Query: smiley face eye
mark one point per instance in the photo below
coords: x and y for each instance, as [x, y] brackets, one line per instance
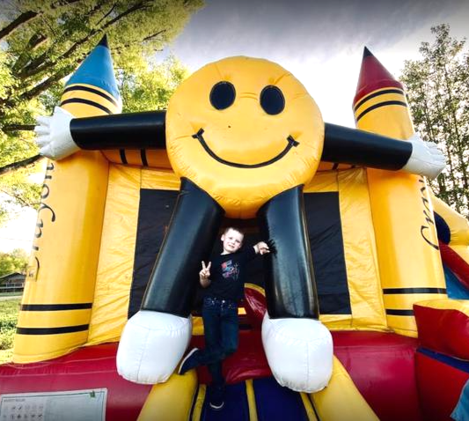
[222, 95]
[272, 100]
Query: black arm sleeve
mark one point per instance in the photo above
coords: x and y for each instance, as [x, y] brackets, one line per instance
[191, 233]
[120, 131]
[357, 147]
[288, 269]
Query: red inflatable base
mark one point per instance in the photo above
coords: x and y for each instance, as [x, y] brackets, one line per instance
[440, 386]
[249, 361]
[382, 366]
[86, 368]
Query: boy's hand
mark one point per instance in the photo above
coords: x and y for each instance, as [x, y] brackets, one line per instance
[262, 248]
[205, 272]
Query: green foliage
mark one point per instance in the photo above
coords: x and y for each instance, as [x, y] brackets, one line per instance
[44, 42]
[149, 87]
[16, 188]
[15, 261]
[8, 320]
[438, 93]
[7, 336]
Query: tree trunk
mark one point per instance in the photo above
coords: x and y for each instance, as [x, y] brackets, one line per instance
[20, 164]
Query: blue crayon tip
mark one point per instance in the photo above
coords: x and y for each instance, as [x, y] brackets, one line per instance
[103, 41]
[97, 70]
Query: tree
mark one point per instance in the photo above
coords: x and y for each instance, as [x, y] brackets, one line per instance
[44, 42]
[438, 93]
[146, 86]
[15, 261]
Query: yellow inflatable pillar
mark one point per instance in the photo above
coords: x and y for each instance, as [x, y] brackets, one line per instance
[408, 253]
[59, 291]
[171, 400]
[341, 400]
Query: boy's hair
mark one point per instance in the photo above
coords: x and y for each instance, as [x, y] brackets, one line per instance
[234, 229]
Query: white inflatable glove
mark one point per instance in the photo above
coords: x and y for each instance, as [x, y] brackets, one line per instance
[151, 346]
[426, 159]
[53, 135]
[299, 352]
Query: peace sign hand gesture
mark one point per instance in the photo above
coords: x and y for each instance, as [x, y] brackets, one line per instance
[204, 274]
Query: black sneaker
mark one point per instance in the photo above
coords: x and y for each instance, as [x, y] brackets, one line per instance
[216, 404]
[187, 362]
[217, 397]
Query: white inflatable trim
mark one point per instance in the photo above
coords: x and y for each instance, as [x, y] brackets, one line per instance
[151, 346]
[54, 138]
[426, 159]
[299, 352]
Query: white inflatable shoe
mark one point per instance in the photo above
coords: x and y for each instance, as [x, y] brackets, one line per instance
[151, 346]
[299, 352]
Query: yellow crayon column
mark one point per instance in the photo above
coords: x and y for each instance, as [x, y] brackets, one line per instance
[407, 245]
[56, 307]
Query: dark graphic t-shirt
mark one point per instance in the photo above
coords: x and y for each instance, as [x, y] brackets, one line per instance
[228, 275]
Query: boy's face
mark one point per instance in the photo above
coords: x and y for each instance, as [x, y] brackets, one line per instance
[232, 241]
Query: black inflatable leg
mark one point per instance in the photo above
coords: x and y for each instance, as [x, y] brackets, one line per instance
[191, 234]
[289, 277]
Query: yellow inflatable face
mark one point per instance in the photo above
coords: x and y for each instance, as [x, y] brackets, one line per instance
[244, 130]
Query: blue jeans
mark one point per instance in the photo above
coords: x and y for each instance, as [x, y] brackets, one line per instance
[221, 336]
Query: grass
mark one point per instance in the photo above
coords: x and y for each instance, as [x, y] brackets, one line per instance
[11, 294]
[8, 320]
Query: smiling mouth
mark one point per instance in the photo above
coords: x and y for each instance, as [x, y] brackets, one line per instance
[290, 143]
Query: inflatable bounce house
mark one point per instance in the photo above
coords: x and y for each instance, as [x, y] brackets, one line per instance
[360, 246]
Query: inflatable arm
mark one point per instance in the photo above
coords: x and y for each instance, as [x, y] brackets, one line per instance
[62, 135]
[154, 339]
[357, 147]
[298, 347]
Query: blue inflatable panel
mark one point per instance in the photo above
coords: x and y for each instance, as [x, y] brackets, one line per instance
[236, 406]
[461, 412]
[277, 403]
[455, 289]
[445, 359]
[442, 229]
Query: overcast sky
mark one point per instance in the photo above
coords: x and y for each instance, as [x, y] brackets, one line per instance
[321, 43]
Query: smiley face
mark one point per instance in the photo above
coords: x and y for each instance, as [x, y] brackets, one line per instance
[244, 130]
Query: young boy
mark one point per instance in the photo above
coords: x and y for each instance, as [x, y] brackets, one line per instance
[223, 278]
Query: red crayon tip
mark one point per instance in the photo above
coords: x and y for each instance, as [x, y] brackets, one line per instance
[373, 76]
